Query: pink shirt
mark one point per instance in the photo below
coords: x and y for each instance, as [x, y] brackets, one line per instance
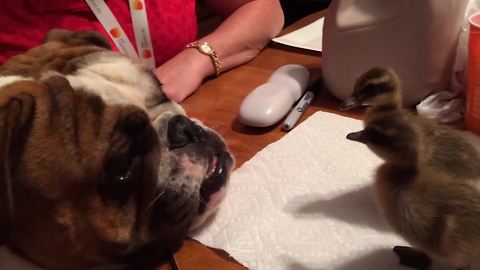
[24, 23]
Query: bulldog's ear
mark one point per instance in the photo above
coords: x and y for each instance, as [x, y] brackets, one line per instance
[78, 38]
[15, 121]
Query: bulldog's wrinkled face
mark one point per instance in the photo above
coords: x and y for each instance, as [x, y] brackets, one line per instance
[97, 166]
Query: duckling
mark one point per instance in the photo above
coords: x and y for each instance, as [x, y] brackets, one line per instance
[428, 189]
[446, 150]
[435, 212]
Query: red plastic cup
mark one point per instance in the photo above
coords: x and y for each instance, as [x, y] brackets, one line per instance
[473, 75]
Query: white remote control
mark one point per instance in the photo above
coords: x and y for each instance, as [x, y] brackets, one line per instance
[270, 102]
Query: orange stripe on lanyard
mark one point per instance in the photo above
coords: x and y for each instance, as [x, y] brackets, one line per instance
[138, 13]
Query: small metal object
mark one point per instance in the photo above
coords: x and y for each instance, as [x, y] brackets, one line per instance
[207, 50]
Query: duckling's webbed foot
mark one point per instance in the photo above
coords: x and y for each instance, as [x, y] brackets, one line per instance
[413, 258]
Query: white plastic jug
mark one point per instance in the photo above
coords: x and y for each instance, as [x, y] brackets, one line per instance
[416, 38]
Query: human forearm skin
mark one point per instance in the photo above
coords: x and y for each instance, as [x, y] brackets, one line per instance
[245, 32]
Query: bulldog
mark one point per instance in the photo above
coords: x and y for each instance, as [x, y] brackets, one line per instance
[97, 167]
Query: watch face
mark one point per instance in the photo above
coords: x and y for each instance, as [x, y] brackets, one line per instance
[205, 48]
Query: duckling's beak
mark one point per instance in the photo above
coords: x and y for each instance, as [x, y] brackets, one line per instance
[350, 103]
[358, 136]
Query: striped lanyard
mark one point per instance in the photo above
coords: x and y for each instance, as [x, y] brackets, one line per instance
[144, 53]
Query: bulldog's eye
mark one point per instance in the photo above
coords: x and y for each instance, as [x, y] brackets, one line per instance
[119, 182]
[120, 168]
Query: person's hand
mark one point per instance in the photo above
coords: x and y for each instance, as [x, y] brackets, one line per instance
[183, 74]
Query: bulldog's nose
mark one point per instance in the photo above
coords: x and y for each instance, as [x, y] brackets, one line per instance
[182, 131]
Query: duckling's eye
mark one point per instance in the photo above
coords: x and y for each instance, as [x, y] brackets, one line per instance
[375, 136]
[374, 89]
[388, 139]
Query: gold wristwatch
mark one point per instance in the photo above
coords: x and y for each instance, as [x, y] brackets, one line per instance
[206, 49]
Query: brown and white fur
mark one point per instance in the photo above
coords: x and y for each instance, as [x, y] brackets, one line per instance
[97, 166]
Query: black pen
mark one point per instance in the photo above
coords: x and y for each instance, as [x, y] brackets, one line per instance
[302, 105]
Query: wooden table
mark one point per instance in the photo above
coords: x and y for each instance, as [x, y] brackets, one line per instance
[217, 103]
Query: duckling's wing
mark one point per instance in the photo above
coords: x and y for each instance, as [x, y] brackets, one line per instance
[447, 151]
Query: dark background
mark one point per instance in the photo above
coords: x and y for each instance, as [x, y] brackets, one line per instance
[293, 10]
[297, 9]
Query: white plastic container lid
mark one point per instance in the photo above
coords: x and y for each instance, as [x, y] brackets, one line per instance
[416, 38]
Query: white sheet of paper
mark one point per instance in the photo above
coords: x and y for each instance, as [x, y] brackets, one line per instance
[308, 37]
[305, 202]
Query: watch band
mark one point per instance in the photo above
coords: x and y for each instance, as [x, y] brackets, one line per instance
[206, 49]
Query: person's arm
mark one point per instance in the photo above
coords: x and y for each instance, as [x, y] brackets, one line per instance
[247, 29]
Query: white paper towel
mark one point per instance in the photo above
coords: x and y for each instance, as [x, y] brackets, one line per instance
[308, 37]
[305, 202]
